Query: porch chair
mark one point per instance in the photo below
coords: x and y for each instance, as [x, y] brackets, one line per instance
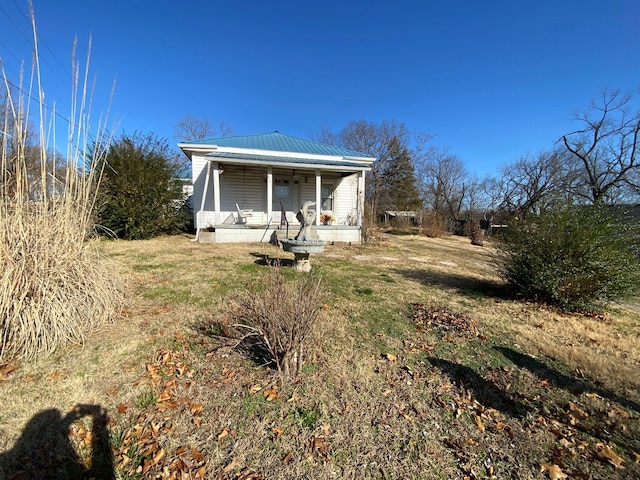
[243, 214]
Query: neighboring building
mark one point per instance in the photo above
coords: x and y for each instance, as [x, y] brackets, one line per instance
[247, 187]
[407, 217]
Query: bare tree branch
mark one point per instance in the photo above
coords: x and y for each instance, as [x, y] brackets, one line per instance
[606, 148]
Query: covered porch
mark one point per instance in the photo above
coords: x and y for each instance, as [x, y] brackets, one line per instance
[247, 203]
[247, 188]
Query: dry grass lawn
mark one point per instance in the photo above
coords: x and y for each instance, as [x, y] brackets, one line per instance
[422, 367]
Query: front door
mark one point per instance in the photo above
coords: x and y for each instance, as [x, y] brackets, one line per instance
[284, 197]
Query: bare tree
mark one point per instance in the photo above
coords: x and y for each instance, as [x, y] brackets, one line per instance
[444, 181]
[606, 147]
[380, 140]
[324, 135]
[190, 128]
[532, 183]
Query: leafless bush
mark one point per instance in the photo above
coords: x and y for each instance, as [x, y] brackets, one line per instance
[432, 225]
[476, 234]
[54, 284]
[281, 315]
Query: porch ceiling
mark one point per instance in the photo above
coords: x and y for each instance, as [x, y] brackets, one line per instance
[281, 161]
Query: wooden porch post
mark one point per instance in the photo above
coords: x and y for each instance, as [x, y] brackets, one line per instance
[318, 196]
[216, 192]
[269, 194]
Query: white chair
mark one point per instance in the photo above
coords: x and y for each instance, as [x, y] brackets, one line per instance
[243, 214]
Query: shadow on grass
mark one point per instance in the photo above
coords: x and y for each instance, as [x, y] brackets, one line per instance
[45, 451]
[486, 393]
[247, 343]
[559, 379]
[465, 285]
[266, 260]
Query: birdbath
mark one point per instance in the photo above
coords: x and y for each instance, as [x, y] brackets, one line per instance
[303, 245]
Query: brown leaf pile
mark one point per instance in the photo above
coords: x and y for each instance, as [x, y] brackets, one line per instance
[448, 321]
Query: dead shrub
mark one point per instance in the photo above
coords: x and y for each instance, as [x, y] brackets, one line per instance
[432, 225]
[476, 234]
[280, 316]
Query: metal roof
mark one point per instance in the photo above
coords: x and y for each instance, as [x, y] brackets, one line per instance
[275, 159]
[279, 142]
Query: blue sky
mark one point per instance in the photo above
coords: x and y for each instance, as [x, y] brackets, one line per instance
[493, 80]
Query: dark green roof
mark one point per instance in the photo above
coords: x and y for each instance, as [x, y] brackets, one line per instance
[279, 142]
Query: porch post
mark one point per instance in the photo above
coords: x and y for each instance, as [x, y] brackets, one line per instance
[318, 196]
[269, 195]
[200, 214]
[216, 192]
[360, 199]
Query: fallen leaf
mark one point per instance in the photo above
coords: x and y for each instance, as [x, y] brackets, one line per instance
[122, 409]
[278, 432]
[606, 453]
[576, 413]
[618, 411]
[271, 393]
[319, 445]
[554, 471]
[255, 389]
[223, 434]
[479, 422]
[636, 456]
[234, 463]
[160, 454]
[391, 357]
[198, 457]
[6, 369]
[287, 458]
[56, 374]
[294, 398]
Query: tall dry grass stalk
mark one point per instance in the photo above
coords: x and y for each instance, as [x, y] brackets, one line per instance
[54, 284]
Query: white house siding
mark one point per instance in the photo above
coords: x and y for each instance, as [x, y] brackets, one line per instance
[308, 190]
[245, 187]
[199, 168]
[345, 198]
[345, 195]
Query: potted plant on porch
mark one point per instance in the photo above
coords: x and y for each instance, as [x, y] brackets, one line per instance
[327, 218]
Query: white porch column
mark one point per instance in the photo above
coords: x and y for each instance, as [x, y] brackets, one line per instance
[269, 194]
[318, 196]
[199, 220]
[216, 192]
[360, 199]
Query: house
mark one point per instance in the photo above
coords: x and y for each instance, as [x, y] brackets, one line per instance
[247, 187]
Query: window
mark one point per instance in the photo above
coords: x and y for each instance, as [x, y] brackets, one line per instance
[327, 196]
[281, 189]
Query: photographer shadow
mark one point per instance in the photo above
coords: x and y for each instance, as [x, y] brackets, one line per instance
[44, 450]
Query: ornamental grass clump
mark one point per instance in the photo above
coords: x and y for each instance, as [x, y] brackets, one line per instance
[55, 286]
